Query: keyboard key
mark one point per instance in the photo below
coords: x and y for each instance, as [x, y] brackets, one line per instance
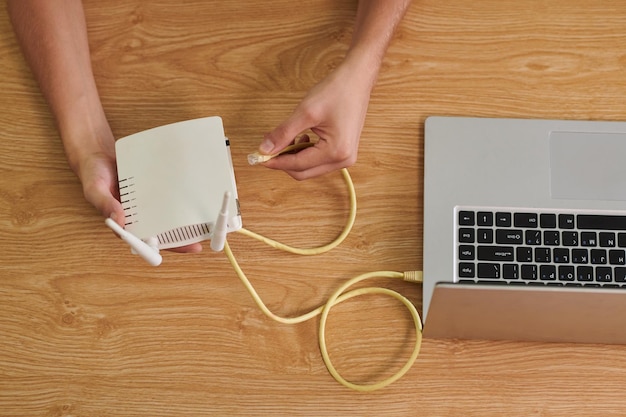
[509, 237]
[598, 256]
[566, 221]
[580, 256]
[484, 218]
[620, 274]
[584, 273]
[529, 272]
[607, 239]
[547, 220]
[566, 273]
[543, 255]
[588, 239]
[601, 222]
[617, 257]
[488, 270]
[467, 270]
[466, 252]
[523, 254]
[466, 235]
[484, 236]
[547, 273]
[551, 238]
[510, 271]
[503, 219]
[621, 240]
[492, 282]
[525, 220]
[533, 237]
[466, 218]
[604, 274]
[560, 255]
[569, 238]
[495, 253]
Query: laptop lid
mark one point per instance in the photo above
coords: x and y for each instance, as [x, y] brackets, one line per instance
[485, 162]
[531, 313]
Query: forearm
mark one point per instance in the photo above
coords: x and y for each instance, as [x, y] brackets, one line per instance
[376, 22]
[53, 37]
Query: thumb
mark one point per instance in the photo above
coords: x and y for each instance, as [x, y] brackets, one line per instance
[116, 212]
[101, 198]
[285, 133]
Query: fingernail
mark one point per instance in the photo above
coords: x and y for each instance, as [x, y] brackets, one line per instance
[266, 146]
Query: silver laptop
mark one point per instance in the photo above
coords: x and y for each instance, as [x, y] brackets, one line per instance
[525, 230]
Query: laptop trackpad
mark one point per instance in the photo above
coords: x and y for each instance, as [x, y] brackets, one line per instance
[588, 166]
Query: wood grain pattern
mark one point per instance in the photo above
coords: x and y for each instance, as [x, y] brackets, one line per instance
[88, 330]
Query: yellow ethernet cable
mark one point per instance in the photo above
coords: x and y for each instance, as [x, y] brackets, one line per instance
[340, 294]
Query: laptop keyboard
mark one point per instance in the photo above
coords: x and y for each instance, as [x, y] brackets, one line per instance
[540, 247]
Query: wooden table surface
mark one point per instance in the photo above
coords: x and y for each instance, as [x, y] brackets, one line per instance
[87, 329]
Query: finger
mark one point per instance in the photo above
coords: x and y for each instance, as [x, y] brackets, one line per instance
[193, 248]
[315, 160]
[313, 172]
[316, 171]
[285, 133]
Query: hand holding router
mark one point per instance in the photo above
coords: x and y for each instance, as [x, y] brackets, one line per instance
[149, 250]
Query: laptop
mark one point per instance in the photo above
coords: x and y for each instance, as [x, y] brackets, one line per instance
[524, 230]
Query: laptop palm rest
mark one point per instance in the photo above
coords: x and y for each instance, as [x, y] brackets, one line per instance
[552, 314]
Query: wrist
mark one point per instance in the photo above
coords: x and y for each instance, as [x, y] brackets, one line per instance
[87, 137]
[362, 66]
